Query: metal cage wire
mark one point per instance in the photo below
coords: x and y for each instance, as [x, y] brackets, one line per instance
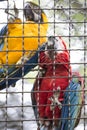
[15, 104]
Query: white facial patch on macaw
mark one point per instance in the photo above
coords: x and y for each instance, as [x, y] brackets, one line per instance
[59, 45]
[37, 17]
[55, 43]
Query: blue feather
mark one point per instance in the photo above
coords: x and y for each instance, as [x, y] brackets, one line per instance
[14, 73]
[72, 97]
[3, 32]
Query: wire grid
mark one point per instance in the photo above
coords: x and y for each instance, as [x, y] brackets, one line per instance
[16, 108]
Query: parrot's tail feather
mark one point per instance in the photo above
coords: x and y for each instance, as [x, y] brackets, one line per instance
[74, 96]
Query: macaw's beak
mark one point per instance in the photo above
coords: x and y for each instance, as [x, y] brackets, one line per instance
[28, 13]
[32, 12]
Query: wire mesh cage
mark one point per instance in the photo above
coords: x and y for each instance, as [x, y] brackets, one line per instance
[43, 65]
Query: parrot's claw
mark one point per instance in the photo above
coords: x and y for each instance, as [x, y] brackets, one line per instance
[45, 124]
[45, 128]
[54, 99]
[3, 71]
[21, 61]
[13, 13]
[41, 72]
[55, 128]
[48, 125]
[24, 59]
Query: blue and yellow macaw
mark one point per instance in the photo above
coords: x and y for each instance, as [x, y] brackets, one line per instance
[20, 43]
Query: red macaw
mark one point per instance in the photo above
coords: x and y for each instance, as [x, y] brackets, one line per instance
[51, 82]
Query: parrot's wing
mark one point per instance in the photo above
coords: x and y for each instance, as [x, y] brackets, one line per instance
[72, 104]
[3, 32]
[15, 73]
[34, 91]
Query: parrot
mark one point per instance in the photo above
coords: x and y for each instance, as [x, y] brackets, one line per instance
[53, 84]
[21, 41]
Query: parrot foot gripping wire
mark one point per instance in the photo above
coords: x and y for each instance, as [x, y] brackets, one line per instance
[24, 59]
[13, 15]
[3, 69]
[54, 100]
[44, 125]
[47, 125]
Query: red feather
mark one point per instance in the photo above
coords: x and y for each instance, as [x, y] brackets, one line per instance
[56, 75]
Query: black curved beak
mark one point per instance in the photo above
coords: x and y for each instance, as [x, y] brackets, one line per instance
[28, 12]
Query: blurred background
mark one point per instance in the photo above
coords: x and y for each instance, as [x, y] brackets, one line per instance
[67, 18]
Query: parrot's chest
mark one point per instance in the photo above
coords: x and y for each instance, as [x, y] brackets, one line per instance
[22, 38]
[55, 77]
[25, 36]
[57, 70]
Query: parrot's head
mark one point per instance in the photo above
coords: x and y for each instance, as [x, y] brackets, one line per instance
[54, 45]
[33, 12]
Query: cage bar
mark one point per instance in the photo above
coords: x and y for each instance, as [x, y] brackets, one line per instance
[18, 96]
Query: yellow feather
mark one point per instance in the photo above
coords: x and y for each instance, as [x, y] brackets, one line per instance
[27, 37]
